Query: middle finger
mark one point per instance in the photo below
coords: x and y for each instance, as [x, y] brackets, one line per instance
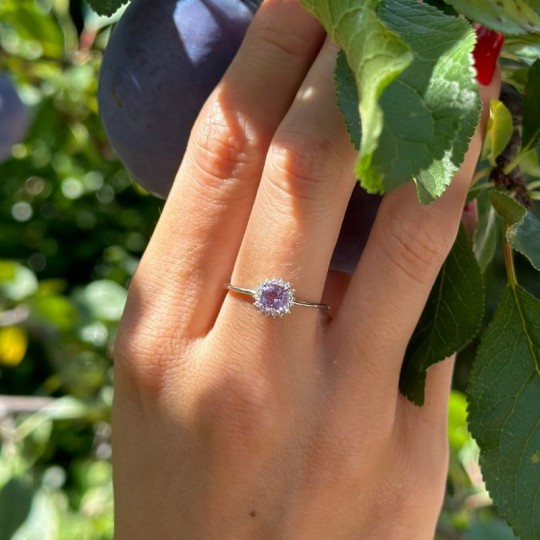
[306, 184]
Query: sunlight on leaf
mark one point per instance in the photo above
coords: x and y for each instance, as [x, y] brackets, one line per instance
[106, 7]
[429, 112]
[499, 129]
[376, 56]
[485, 238]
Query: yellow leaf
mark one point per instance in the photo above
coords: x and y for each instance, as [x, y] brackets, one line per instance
[499, 129]
[13, 343]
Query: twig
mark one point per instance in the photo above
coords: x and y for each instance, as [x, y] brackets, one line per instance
[23, 404]
[14, 316]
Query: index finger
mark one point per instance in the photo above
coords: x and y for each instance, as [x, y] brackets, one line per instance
[194, 246]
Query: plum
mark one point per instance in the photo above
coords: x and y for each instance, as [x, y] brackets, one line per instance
[163, 60]
[14, 117]
[355, 229]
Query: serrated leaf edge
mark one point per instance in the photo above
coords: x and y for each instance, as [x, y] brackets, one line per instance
[472, 372]
[423, 375]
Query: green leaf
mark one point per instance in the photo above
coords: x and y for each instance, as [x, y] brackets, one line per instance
[106, 7]
[504, 397]
[33, 25]
[15, 503]
[507, 16]
[54, 310]
[485, 238]
[442, 6]
[489, 530]
[450, 320]
[103, 299]
[16, 281]
[65, 408]
[526, 47]
[376, 56]
[458, 434]
[347, 99]
[43, 520]
[430, 110]
[531, 108]
[445, 90]
[499, 130]
[530, 163]
[524, 231]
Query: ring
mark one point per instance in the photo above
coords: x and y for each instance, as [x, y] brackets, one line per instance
[275, 297]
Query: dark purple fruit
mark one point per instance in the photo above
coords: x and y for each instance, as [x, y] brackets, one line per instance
[14, 117]
[163, 60]
[355, 229]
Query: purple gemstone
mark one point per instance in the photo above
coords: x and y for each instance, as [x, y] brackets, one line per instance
[274, 297]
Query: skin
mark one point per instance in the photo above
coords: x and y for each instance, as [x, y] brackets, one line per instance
[232, 425]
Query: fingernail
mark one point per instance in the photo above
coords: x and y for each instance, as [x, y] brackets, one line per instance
[486, 53]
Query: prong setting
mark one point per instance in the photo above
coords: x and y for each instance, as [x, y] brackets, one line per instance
[274, 297]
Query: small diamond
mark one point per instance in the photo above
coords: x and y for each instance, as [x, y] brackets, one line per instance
[274, 297]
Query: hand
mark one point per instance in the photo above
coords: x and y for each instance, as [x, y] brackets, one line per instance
[232, 425]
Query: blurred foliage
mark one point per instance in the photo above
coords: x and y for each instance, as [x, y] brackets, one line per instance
[72, 229]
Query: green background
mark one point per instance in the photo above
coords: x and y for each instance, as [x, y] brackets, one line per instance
[72, 229]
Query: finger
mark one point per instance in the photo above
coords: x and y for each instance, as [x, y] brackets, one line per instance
[425, 429]
[405, 251]
[306, 184]
[192, 252]
[434, 411]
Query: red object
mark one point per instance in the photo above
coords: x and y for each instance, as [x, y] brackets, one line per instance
[486, 53]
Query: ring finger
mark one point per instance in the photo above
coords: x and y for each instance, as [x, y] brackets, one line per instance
[306, 183]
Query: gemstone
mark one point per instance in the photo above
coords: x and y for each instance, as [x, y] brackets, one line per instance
[274, 297]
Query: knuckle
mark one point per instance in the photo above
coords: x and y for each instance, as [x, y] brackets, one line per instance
[302, 166]
[220, 149]
[416, 246]
[273, 35]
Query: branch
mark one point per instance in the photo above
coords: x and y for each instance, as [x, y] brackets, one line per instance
[23, 404]
[14, 316]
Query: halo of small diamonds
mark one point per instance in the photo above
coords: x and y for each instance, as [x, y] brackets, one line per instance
[274, 297]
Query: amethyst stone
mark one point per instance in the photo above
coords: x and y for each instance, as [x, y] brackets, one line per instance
[274, 297]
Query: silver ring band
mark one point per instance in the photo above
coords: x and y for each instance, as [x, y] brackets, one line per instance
[275, 297]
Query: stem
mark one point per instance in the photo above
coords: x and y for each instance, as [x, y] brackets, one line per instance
[515, 162]
[510, 56]
[23, 404]
[533, 185]
[66, 25]
[509, 260]
[535, 195]
[481, 187]
[480, 175]
[14, 316]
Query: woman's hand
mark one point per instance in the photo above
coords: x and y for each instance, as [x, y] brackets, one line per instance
[232, 425]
